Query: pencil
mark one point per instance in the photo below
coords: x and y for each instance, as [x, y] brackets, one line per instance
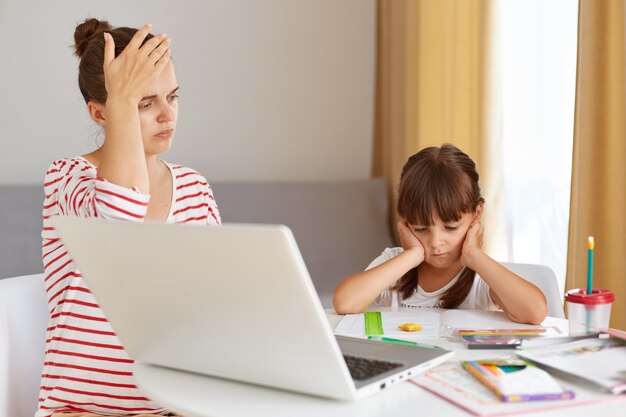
[590, 245]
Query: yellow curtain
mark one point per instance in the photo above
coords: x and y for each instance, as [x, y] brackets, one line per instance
[598, 198]
[436, 83]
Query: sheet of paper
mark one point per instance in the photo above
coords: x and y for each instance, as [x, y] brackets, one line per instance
[429, 319]
[480, 319]
[601, 361]
[435, 322]
[456, 385]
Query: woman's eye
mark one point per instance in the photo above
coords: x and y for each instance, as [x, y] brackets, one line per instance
[174, 98]
[145, 106]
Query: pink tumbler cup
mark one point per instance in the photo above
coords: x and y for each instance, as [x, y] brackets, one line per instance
[586, 312]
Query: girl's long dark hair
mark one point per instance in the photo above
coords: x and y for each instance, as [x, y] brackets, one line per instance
[442, 179]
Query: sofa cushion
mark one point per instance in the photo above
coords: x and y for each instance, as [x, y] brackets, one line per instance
[340, 226]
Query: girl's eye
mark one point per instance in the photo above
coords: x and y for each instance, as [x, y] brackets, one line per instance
[452, 228]
[420, 229]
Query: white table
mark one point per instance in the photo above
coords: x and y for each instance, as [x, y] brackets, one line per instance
[193, 395]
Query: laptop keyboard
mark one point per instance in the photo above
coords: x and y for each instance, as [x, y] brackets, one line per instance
[363, 368]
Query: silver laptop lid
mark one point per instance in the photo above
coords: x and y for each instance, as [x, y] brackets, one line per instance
[234, 301]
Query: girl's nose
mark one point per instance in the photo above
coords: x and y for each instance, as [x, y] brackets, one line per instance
[436, 238]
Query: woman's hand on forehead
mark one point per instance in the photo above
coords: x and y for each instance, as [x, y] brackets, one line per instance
[130, 74]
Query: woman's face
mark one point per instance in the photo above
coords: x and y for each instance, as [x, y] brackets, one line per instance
[443, 242]
[158, 112]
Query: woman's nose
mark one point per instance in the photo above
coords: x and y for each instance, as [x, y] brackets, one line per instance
[166, 114]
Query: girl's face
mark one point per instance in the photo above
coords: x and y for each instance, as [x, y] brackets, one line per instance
[443, 242]
[158, 112]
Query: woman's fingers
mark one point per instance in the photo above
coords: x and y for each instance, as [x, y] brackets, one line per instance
[157, 53]
[109, 50]
[140, 35]
[131, 73]
[152, 44]
[162, 62]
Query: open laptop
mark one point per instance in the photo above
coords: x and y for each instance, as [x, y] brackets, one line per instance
[234, 301]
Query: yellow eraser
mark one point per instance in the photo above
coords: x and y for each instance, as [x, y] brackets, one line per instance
[410, 327]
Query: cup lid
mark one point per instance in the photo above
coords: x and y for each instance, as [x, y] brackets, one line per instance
[597, 296]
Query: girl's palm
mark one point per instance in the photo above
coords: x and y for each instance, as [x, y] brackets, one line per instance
[409, 241]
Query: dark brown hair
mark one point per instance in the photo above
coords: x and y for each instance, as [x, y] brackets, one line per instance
[89, 47]
[442, 179]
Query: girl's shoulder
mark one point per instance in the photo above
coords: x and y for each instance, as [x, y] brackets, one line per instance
[386, 255]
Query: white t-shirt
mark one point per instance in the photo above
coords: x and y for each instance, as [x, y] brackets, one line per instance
[477, 299]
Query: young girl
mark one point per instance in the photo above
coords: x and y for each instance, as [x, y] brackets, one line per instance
[128, 82]
[440, 263]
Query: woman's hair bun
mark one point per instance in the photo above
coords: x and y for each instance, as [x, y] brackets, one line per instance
[84, 32]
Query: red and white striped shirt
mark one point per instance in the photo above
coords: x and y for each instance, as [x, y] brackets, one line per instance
[86, 369]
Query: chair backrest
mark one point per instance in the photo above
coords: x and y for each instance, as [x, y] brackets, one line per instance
[544, 278]
[23, 323]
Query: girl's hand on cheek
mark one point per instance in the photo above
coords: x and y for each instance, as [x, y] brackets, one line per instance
[410, 243]
[473, 242]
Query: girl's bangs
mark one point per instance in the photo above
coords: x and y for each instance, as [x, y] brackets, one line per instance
[444, 194]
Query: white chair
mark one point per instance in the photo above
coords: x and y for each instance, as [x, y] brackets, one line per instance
[23, 323]
[544, 278]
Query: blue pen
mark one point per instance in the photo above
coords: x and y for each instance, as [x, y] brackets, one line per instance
[403, 342]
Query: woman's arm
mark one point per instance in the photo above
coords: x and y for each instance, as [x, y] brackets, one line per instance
[127, 78]
[522, 301]
[355, 293]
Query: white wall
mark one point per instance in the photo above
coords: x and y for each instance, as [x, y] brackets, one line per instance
[270, 89]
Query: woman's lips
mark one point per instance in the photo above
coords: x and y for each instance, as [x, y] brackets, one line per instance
[167, 133]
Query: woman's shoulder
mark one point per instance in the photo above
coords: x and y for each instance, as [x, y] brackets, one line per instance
[66, 166]
[63, 164]
[189, 181]
[185, 174]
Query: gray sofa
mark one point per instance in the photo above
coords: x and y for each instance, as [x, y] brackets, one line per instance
[340, 226]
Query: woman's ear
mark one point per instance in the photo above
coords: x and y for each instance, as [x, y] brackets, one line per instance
[96, 111]
[479, 211]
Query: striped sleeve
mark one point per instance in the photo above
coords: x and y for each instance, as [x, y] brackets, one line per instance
[194, 202]
[86, 368]
[72, 187]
